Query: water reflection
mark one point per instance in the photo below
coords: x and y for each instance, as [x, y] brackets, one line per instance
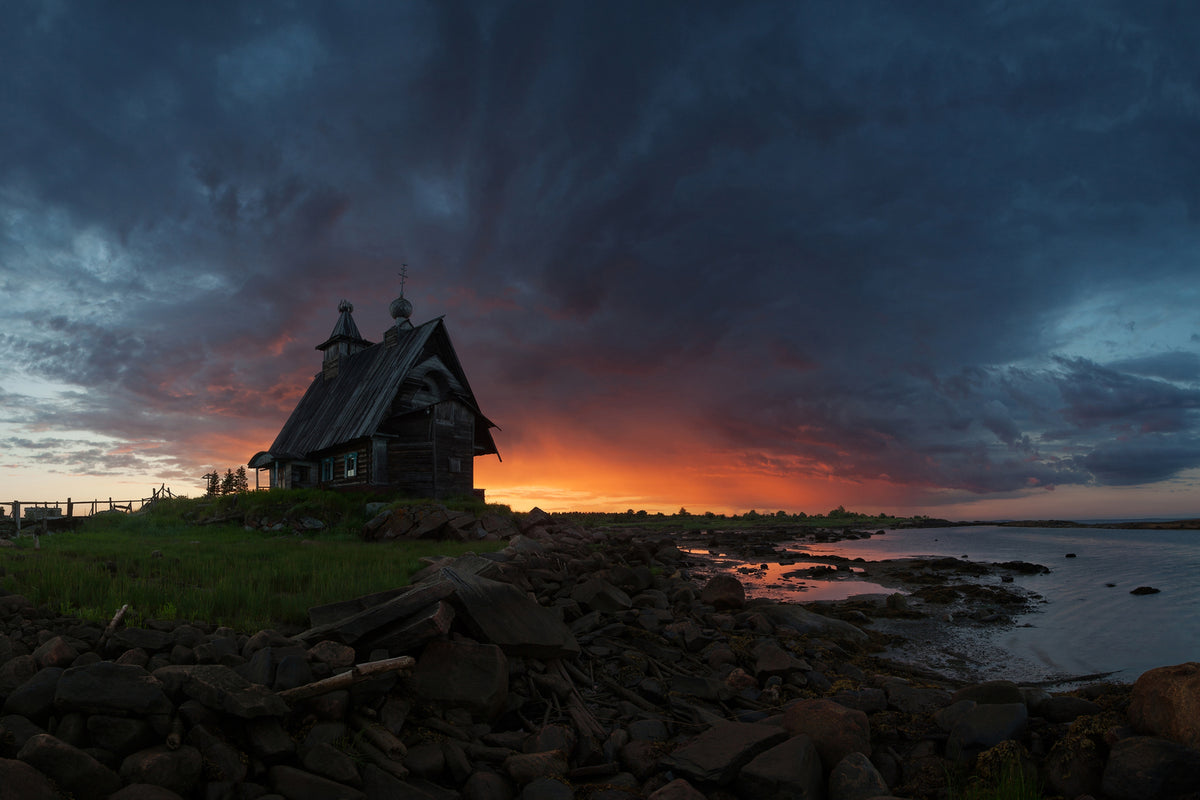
[793, 578]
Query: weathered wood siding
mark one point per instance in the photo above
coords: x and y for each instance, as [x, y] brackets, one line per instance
[432, 454]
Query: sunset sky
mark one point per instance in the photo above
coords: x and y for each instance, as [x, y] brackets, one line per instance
[918, 257]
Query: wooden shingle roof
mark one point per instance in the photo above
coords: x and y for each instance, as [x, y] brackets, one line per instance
[355, 402]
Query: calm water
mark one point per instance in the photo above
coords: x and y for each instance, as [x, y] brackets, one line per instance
[1084, 626]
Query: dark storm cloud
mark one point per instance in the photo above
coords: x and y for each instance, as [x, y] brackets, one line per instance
[846, 238]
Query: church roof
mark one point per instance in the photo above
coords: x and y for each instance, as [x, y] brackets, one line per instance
[361, 396]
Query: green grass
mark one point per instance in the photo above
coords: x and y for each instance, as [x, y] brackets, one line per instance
[168, 567]
[1007, 781]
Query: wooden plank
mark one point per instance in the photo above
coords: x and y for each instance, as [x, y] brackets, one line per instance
[413, 633]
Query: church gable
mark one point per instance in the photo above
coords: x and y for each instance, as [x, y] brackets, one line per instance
[394, 415]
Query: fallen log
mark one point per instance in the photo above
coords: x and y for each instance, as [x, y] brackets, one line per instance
[344, 680]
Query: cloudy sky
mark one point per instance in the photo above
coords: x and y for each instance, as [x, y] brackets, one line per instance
[920, 257]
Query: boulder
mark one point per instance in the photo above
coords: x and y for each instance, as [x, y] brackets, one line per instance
[598, 594]
[461, 674]
[69, 767]
[144, 791]
[505, 616]
[109, 688]
[221, 689]
[35, 697]
[119, 735]
[19, 781]
[718, 755]
[855, 778]
[297, 783]
[1145, 766]
[1166, 702]
[807, 622]
[177, 770]
[56, 652]
[990, 692]
[680, 789]
[984, 726]
[723, 592]
[790, 769]
[835, 730]
[1065, 708]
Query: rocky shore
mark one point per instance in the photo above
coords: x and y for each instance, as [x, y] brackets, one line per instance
[591, 664]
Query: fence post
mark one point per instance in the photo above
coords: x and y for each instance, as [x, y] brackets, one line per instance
[17, 514]
[70, 507]
[110, 504]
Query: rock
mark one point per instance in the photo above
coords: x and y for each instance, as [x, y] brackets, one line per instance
[723, 592]
[35, 697]
[990, 692]
[69, 767]
[327, 761]
[790, 769]
[719, 753]
[333, 654]
[1065, 708]
[109, 688]
[1075, 766]
[771, 659]
[525, 767]
[55, 652]
[1165, 702]
[804, 621]
[984, 726]
[140, 639]
[836, 731]
[221, 689]
[297, 784]
[20, 781]
[487, 785]
[267, 739]
[222, 762]
[597, 594]
[910, 699]
[547, 789]
[15, 672]
[15, 731]
[680, 789]
[1144, 766]
[1145, 590]
[462, 675]
[119, 735]
[868, 700]
[177, 770]
[144, 791]
[505, 616]
[425, 760]
[855, 778]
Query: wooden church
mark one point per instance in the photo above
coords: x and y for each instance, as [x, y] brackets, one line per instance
[397, 415]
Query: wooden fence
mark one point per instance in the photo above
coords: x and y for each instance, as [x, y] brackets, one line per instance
[39, 511]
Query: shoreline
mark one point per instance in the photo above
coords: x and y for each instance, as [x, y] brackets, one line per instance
[942, 615]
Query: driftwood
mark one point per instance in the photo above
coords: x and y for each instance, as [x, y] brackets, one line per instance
[344, 680]
[379, 737]
[379, 759]
[112, 625]
[585, 722]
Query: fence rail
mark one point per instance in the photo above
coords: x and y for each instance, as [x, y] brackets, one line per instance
[42, 510]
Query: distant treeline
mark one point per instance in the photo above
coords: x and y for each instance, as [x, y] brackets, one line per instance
[837, 516]
[233, 482]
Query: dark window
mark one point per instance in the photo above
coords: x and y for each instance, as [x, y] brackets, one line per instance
[326, 469]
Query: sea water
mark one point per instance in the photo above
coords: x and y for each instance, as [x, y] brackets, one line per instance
[1085, 625]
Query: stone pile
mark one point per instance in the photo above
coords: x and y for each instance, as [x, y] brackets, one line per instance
[572, 664]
